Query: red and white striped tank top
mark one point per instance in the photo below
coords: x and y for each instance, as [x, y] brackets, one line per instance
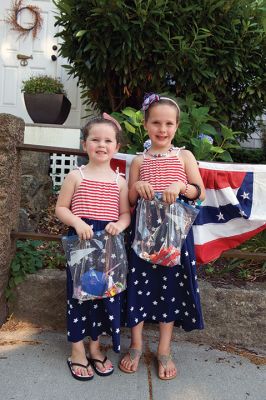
[162, 171]
[96, 200]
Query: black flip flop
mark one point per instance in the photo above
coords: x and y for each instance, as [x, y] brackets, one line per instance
[74, 374]
[93, 362]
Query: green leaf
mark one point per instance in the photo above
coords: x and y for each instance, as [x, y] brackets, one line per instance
[208, 129]
[18, 279]
[225, 156]
[129, 127]
[216, 149]
[132, 149]
[227, 132]
[81, 33]
[201, 148]
[130, 113]
[15, 266]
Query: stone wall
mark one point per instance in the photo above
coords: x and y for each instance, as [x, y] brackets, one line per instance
[25, 187]
[232, 315]
[11, 134]
[36, 188]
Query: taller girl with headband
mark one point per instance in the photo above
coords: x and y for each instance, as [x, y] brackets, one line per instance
[168, 296]
[94, 198]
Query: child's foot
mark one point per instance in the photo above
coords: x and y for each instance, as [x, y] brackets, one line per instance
[166, 368]
[100, 363]
[80, 371]
[130, 362]
[78, 362]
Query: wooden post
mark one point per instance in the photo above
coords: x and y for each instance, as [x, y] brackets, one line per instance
[11, 134]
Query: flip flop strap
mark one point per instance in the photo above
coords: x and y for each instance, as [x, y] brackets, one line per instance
[163, 359]
[80, 365]
[102, 362]
[133, 353]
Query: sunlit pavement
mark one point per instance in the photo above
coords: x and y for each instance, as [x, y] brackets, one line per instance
[33, 366]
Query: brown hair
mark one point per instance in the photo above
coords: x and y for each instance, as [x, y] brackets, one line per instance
[100, 120]
[163, 101]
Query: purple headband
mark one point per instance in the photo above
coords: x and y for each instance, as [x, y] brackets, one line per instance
[149, 99]
[153, 97]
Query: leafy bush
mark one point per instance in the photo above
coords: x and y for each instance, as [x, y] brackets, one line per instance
[250, 156]
[131, 121]
[32, 255]
[203, 134]
[211, 49]
[42, 84]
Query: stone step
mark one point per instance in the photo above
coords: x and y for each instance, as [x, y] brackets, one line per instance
[232, 315]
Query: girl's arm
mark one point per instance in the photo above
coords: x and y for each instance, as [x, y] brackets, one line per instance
[62, 209]
[136, 187]
[193, 176]
[114, 228]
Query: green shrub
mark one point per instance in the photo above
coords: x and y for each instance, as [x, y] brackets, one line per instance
[211, 49]
[249, 156]
[32, 255]
[131, 121]
[42, 84]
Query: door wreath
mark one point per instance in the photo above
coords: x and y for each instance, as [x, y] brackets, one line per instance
[16, 9]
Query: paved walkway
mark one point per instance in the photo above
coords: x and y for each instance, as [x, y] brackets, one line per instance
[33, 367]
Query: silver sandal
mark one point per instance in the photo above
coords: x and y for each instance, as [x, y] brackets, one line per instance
[163, 360]
[133, 353]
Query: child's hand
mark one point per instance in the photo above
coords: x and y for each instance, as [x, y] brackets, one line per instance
[114, 228]
[172, 192]
[145, 190]
[84, 231]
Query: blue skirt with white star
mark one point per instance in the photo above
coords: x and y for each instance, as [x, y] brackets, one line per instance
[93, 317]
[164, 294]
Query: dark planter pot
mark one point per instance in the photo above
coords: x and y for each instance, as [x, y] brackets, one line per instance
[47, 108]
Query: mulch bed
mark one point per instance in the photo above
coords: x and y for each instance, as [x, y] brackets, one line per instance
[49, 223]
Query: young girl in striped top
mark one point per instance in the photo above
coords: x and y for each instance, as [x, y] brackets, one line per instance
[168, 296]
[91, 199]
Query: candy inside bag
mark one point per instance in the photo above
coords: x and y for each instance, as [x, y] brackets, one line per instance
[161, 230]
[98, 266]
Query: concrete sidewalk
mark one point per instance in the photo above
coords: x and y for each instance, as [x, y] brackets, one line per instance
[33, 367]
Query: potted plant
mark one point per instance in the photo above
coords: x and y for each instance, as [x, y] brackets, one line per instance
[45, 99]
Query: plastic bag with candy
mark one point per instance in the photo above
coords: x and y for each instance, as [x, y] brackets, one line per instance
[98, 266]
[161, 230]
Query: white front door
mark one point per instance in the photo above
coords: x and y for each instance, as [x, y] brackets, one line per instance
[41, 49]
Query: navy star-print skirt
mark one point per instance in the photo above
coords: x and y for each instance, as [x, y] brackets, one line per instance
[93, 317]
[164, 294]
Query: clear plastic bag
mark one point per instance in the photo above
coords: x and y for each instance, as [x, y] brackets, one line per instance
[161, 230]
[98, 266]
